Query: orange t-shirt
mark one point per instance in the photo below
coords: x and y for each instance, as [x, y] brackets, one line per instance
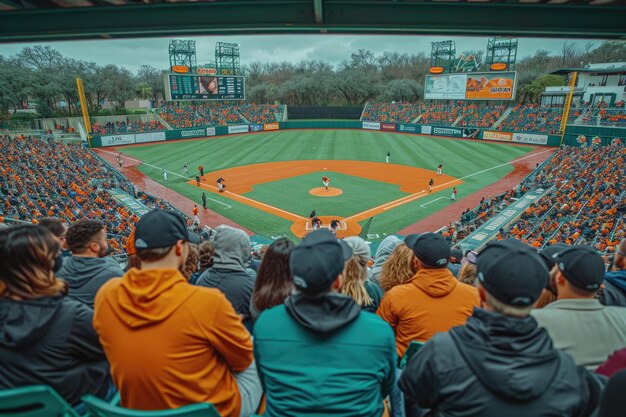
[170, 343]
[434, 301]
[195, 210]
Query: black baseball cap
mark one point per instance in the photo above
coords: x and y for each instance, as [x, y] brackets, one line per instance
[457, 253]
[317, 261]
[430, 248]
[582, 266]
[512, 272]
[548, 254]
[160, 229]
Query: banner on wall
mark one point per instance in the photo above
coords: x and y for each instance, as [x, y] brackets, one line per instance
[470, 133]
[501, 136]
[530, 138]
[371, 125]
[406, 128]
[427, 130]
[210, 131]
[256, 128]
[271, 126]
[192, 133]
[390, 127]
[238, 129]
[470, 86]
[149, 137]
[447, 131]
[116, 140]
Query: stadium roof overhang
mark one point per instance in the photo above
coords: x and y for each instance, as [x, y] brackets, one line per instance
[565, 71]
[45, 20]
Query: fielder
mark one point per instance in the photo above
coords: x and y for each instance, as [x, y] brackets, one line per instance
[439, 169]
[326, 181]
[165, 175]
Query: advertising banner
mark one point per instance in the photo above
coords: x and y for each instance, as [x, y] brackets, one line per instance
[149, 137]
[501, 136]
[530, 138]
[447, 131]
[115, 140]
[192, 133]
[371, 125]
[256, 128]
[406, 128]
[238, 129]
[204, 87]
[210, 131]
[271, 126]
[390, 127]
[490, 86]
[470, 132]
[427, 130]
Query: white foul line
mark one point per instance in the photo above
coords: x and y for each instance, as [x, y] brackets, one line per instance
[432, 201]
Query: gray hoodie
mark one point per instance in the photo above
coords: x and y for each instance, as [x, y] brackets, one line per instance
[228, 273]
[384, 250]
[85, 276]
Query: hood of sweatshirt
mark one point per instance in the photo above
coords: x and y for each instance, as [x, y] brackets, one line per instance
[23, 323]
[322, 314]
[146, 297]
[435, 282]
[617, 278]
[232, 248]
[78, 270]
[513, 357]
[382, 253]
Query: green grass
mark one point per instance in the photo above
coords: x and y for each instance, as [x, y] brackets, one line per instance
[460, 158]
[300, 202]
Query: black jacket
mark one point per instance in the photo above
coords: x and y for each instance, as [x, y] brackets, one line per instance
[51, 341]
[496, 366]
[237, 286]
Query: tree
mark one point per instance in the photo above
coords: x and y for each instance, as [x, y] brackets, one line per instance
[533, 91]
[154, 79]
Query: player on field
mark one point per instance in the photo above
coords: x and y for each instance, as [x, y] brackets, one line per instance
[325, 181]
[439, 169]
[220, 184]
[430, 185]
[453, 196]
[165, 175]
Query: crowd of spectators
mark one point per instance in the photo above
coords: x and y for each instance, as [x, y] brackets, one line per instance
[216, 114]
[40, 178]
[532, 118]
[392, 112]
[480, 116]
[121, 127]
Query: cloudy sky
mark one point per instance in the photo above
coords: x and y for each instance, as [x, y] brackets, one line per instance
[133, 53]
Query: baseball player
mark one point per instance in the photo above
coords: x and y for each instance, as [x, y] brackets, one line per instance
[316, 222]
[165, 175]
[430, 185]
[186, 168]
[334, 224]
[387, 157]
[453, 196]
[203, 200]
[326, 181]
[220, 184]
[198, 180]
[439, 169]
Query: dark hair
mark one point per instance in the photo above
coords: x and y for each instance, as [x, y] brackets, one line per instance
[80, 234]
[153, 255]
[27, 256]
[274, 281]
[54, 224]
[207, 250]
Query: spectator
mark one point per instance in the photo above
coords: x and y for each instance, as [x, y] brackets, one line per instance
[88, 268]
[274, 282]
[382, 253]
[191, 263]
[205, 260]
[548, 255]
[614, 292]
[355, 282]
[198, 349]
[59, 229]
[468, 273]
[577, 318]
[45, 337]
[229, 273]
[132, 260]
[398, 269]
[433, 301]
[500, 363]
[612, 404]
[320, 353]
[456, 255]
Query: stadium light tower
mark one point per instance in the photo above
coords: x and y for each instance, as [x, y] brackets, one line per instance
[501, 51]
[183, 52]
[442, 54]
[227, 58]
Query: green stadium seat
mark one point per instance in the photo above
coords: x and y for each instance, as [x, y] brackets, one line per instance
[411, 350]
[34, 401]
[99, 408]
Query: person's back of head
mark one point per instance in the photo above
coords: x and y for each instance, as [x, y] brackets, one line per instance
[612, 403]
[206, 251]
[232, 248]
[398, 268]
[274, 282]
[58, 227]
[355, 272]
[87, 238]
[579, 273]
[619, 263]
[430, 250]
[468, 273]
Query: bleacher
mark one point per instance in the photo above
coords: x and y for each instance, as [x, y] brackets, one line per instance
[212, 114]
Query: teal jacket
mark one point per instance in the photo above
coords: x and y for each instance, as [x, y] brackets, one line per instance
[324, 356]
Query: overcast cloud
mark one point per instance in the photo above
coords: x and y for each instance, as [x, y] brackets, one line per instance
[133, 53]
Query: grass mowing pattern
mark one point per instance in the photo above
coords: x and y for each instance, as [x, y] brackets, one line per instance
[459, 157]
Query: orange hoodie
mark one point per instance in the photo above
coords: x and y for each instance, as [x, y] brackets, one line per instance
[170, 343]
[434, 301]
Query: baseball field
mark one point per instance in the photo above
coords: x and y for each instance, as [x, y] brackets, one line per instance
[274, 179]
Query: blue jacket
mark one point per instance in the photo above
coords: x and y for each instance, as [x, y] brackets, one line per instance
[319, 356]
[614, 293]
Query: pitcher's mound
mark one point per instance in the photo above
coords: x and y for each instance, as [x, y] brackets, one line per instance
[323, 192]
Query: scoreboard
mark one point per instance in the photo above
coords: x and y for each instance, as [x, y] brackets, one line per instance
[204, 87]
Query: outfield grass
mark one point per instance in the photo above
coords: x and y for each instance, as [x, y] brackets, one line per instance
[460, 158]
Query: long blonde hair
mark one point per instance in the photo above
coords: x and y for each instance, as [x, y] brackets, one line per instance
[354, 281]
[398, 268]
[468, 274]
[27, 256]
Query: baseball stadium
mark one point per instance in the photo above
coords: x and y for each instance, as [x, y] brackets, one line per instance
[312, 208]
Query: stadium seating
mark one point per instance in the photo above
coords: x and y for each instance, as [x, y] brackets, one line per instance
[392, 112]
[100, 408]
[49, 179]
[34, 401]
[480, 116]
[113, 128]
[213, 114]
[532, 118]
